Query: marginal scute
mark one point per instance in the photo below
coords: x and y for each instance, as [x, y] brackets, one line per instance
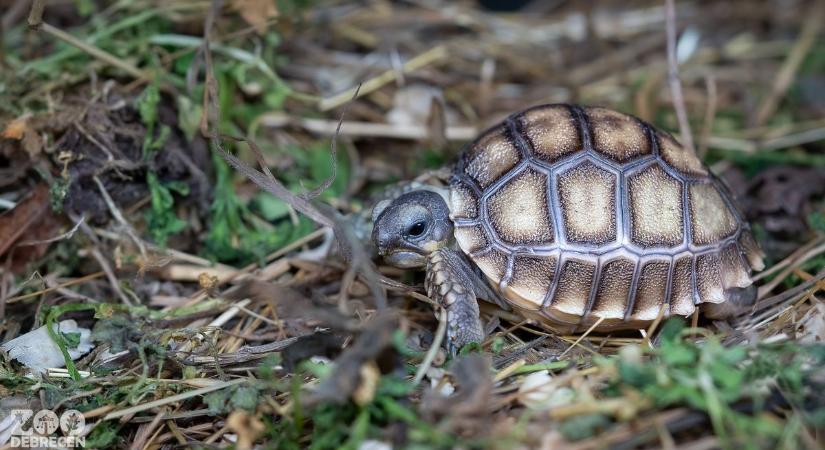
[471, 239]
[734, 270]
[573, 289]
[464, 202]
[519, 212]
[678, 157]
[650, 290]
[710, 217]
[619, 137]
[493, 264]
[752, 251]
[655, 208]
[531, 279]
[709, 278]
[551, 132]
[489, 157]
[614, 288]
[681, 291]
[587, 196]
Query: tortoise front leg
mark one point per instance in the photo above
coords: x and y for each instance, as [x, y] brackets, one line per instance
[449, 282]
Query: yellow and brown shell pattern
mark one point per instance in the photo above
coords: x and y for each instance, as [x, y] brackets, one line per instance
[579, 214]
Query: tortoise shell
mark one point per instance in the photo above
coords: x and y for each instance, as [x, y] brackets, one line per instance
[579, 215]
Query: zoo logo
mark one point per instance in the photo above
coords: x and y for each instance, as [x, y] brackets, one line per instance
[45, 423]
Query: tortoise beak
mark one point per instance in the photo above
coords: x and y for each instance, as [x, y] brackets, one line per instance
[405, 259]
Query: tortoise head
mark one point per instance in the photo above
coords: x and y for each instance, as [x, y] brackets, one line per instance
[410, 227]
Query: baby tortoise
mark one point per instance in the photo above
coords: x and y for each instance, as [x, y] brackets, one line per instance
[574, 216]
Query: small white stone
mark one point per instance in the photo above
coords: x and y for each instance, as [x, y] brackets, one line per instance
[435, 375]
[538, 392]
[38, 352]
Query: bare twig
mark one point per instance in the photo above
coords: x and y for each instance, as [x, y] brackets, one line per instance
[430, 56]
[434, 348]
[673, 77]
[710, 115]
[218, 385]
[113, 209]
[365, 129]
[584, 335]
[333, 154]
[796, 262]
[80, 280]
[104, 263]
[36, 21]
[67, 235]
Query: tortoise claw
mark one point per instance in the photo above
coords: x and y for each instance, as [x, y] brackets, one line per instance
[463, 327]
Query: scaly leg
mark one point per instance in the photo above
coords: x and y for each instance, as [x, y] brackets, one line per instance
[451, 282]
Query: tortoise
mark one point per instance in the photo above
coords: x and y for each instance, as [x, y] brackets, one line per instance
[577, 217]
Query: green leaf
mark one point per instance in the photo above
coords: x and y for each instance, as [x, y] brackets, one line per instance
[189, 116]
[678, 355]
[584, 426]
[217, 401]
[72, 339]
[57, 194]
[245, 397]
[320, 166]
[471, 347]
[671, 329]
[147, 104]
[104, 435]
[163, 222]
[816, 220]
[272, 208]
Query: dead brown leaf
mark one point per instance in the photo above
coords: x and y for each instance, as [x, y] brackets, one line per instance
[15, 128]
[31, 220]
[256, 12]
[20, 129]
[248, 428]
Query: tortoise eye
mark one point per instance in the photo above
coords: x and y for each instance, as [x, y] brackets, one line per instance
[417, 229]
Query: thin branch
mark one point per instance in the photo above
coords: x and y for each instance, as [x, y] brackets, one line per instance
[710, 115]
[673, 77]
[36, 21]
[113, 209]
[67, 235]
[432, 55]
[333, 153]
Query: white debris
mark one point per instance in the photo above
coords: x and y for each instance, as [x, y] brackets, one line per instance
[374, 445]
[38, 352]
[411, 105]
[439, 382]
[688, 44]
[538, 392]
